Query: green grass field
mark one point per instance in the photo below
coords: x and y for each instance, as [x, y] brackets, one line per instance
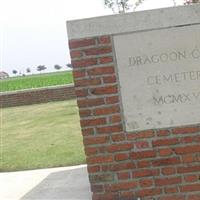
[36, 81]
[40, 136]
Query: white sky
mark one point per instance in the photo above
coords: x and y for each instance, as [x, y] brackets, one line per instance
[33, 32]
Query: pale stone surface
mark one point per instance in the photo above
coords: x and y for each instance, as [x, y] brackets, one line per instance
[133, 22]
[69, 183]
[159, 75]
[158, 56]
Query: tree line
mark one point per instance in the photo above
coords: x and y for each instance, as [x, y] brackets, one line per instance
[122, 6]
[40, 68]
[119, 6]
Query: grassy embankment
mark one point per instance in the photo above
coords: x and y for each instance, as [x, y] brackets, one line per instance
[40, 136]
[36, 81]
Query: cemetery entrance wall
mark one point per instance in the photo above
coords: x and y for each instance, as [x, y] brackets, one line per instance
[137, 82]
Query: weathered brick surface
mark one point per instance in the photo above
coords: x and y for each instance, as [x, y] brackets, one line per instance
[36, 96]
[152, 164]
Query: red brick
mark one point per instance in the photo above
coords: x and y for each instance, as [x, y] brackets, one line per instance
[104, 90]
[87, 82]
[168, 170]
[127, 195]
[104, 60]
[197, 157]
[121, 166]
[165, 152]
[188, 158]
[171, 190]
[81, 93]
[188, 169]
[143, 134]
[145, 172]
[163, 133]
[104, 40]
[109, 79]
[196, 138]
[81, 43]
[122, 186]
[102, 149]
[87, 131]
[93, 169]
[188, 139]
[95, 140]
[118, 137]
[84, 62]
[112, 100]
[191, 178]
[115, 118]
[110, 129]
[143, 163]
[194, 197]
[187, 149]
[79, 73]
[173, 197]
[99, 178]
[91, 151]
[76, 54]
[97, 51]
[85, 113]
[107, 110]
[101, 71]
[99, 159]
[93, 122]
[165, 142]
[186, 130]
[143, 154]
[97, 188]
[121, 156]
[123, 175]
[148, 192]
[190, 188]
[166, 161]
[107, 196]
[146, 183]
[167, 181]
[119, 147]
[90, 102]
[141, 144]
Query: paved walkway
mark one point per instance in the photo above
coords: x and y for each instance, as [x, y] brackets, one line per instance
[65, 183]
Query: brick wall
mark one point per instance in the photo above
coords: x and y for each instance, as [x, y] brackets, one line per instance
[35, 96]
[153, 164]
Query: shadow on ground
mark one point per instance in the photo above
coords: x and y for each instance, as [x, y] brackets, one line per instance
[63, 185]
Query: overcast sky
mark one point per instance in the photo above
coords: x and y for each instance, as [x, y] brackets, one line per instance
[33, 32]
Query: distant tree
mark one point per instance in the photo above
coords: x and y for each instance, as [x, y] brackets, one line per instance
[69, 65]
[121, 6]
[41, 68]
[187, 2]
[14, 71]
[174, 1]
[28, 70]
[137, 3]
[57, 67]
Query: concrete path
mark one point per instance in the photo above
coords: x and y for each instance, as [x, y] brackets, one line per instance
[66, 183]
